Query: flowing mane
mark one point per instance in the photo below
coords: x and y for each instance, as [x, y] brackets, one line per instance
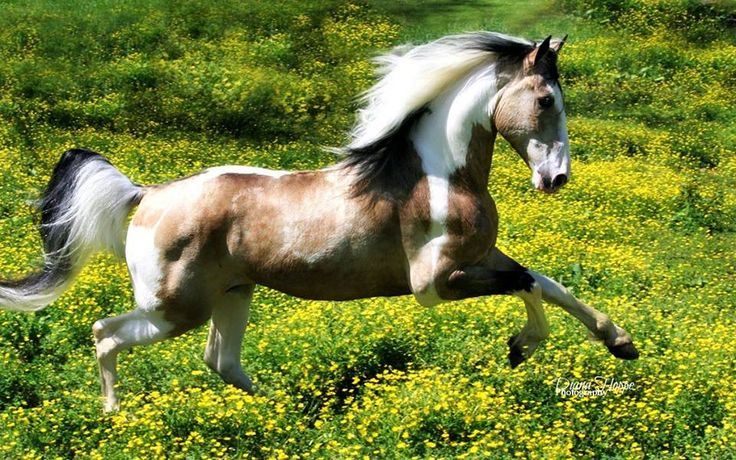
[411, 78]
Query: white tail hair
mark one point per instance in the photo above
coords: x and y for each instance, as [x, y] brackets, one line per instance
[84, 209]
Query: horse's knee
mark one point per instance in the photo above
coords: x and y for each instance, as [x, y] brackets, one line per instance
[528, 289]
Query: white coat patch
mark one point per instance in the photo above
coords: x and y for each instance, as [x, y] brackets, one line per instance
[144, 263]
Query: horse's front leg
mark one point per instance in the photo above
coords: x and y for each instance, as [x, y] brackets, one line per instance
[616, 339]
[498, 274]
[601, 327]
[437, 279]
[474, 281]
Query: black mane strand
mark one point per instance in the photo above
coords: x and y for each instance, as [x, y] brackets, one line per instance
[385, 165]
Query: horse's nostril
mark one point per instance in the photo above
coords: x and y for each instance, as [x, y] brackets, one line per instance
[547, 182]
[560, 180]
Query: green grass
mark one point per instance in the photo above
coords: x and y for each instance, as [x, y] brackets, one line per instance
[427, 20]
[645, 232]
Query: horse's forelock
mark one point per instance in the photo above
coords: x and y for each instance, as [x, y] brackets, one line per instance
[547, 67]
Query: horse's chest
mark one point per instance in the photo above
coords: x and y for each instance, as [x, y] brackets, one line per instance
[471, 225]
[451, 223]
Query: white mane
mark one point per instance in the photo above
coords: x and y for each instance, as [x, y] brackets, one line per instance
[414, 76]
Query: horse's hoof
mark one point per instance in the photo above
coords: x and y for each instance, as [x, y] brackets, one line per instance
[111, 408]
[625, 351]
[516, 356]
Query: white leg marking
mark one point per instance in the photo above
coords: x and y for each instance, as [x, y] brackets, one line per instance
[112, 335]
[599, 324]
[225, 340]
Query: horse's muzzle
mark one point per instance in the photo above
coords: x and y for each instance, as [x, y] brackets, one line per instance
[549, 185]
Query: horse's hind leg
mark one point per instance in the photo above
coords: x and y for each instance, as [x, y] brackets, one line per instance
[115, 334]
[229, 319]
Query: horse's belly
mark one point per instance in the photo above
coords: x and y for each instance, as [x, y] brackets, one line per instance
[335, 270]
[334, 286]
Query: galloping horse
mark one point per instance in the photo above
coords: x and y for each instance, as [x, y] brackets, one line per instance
[407, 211]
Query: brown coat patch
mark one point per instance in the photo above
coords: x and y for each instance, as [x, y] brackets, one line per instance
[471, 224]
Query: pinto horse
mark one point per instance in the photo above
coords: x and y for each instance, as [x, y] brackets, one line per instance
[406, 211]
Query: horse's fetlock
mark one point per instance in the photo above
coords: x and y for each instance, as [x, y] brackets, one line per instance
[98, 330]
[603, 325]
[539, 336]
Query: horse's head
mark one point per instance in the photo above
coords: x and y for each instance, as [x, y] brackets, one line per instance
[530, 114]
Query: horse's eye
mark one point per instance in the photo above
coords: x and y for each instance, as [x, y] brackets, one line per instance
[546, 102]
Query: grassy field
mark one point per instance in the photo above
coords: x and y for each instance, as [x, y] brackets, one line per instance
[645, 231]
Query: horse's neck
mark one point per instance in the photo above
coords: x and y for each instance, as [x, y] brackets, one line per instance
[456, 136]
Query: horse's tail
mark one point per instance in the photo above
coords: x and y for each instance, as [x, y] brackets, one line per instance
[84, 209]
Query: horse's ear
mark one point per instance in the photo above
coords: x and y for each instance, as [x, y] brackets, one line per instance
[556, 45]
[542, 50]
[536, 55]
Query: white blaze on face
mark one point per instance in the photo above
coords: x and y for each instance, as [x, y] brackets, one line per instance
[548, 151]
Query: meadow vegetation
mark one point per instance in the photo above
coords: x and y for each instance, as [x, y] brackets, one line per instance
[645, 231]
